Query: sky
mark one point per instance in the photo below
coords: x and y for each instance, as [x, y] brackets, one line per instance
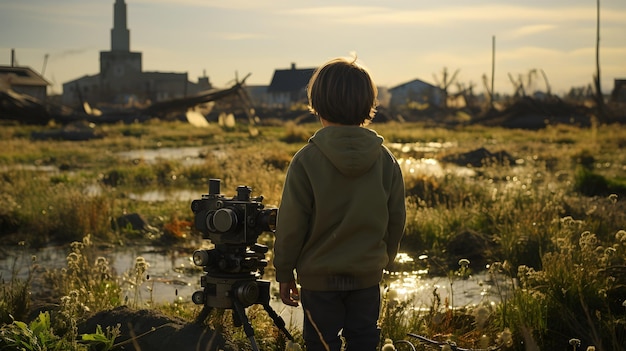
[397, 40]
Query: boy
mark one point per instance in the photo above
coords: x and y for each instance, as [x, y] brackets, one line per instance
[342, 214]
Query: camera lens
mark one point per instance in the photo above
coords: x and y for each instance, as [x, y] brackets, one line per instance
[267, 220]
[200, 257]
[224, 220]
[198, 297]
[247, 293]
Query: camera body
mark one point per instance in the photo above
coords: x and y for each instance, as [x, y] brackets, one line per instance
[237, 221]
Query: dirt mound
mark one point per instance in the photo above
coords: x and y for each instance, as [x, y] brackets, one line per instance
[534, 114]
[480, 157]
[149, 330]
[472, 245]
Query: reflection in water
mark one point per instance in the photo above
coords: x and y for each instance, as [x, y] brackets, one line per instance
[412, 167]
[30, 168]
[172, 274]
[165, 195]
[190, 155]
[418, 147]
[413, 284]
[156, 195]
[420, 290]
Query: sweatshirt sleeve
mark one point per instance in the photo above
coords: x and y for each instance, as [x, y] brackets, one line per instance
[292, 223]
[397, 215]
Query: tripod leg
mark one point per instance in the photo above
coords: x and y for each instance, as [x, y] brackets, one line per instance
[204, 313]
[278, 320]
[247, 326]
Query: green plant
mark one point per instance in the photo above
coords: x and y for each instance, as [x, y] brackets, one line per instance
[590, 183]
[101, 340]
[39, 335]
[36, 336]
[15, 295]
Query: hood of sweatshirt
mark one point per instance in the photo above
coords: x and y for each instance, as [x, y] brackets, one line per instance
[351, 149]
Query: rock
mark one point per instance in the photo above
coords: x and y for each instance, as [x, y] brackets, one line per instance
[134, 221]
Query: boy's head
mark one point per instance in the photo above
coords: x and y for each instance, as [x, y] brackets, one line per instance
[342, 91]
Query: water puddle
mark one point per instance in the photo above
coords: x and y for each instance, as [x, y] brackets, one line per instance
[412, 167]
[171, 271]
[174, 277]
[420, 147]
[30, 168]
[189, 155]
[165, 195]
[155, 195]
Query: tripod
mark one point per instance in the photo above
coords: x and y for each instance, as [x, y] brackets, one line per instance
[236, 292]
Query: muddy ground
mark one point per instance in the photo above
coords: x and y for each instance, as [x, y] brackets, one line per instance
[149, 330]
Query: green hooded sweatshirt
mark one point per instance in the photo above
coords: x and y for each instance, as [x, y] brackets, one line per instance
[342, 212]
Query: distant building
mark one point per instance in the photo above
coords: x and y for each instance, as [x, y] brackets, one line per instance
[258, 95]
[619, 91]
[288, 86]
[23, 80]
[122, 79]
[416, 91]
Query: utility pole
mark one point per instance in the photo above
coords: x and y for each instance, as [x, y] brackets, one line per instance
[493, 63]
[596, 79]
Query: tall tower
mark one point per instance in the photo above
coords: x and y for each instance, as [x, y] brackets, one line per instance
[120, 35]
[120, 69]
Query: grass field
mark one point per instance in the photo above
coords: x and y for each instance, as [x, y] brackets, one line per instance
[552, 219]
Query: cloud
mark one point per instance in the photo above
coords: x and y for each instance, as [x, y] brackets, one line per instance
[58, 11]
[451, 15]
[530, 30]
[345, 12]
[76, 14]
[220, 4]
[233, 36]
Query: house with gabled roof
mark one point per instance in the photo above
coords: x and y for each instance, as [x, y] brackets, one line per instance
[23, 80]
[288, 86]
[416, 91]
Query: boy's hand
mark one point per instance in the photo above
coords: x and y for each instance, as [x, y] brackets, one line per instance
[289, 293]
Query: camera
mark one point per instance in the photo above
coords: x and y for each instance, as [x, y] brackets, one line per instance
[233, 268]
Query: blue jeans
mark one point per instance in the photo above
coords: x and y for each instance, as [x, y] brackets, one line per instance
[354, 313]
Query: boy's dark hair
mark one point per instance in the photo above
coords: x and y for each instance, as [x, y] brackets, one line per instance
[342, 91]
